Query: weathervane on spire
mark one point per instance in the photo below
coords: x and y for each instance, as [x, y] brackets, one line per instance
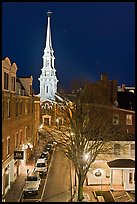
[49, 13]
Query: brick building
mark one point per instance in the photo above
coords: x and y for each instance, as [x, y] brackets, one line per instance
[20, 122]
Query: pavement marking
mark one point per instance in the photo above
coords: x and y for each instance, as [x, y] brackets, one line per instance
[47, 177]
[20, 197]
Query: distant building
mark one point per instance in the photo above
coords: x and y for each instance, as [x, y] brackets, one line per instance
[117, 167]
[103, 91]
[20, 122]
[126, 97]
[48, 79]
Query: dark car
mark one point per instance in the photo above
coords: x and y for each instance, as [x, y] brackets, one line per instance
[44, 155]
[48, 147]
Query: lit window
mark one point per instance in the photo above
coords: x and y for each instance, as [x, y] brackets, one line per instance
[26, 103]
[128, 119]
[116, 149]
[115, 119]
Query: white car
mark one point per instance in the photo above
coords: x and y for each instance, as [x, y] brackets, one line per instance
[41, 166]
[32, 184]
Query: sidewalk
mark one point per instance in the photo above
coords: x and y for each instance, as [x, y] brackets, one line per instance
[15, 192]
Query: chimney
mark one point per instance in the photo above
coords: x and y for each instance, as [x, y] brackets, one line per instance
[123, 87]
[104, 77]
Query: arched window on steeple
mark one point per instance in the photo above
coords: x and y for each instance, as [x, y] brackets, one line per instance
[47, 89]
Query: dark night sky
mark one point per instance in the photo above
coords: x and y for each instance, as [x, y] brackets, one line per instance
[88, 38]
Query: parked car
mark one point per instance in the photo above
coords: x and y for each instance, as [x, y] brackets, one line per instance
[44, 155]
[48, 147]
[32, 184]
[41, 167]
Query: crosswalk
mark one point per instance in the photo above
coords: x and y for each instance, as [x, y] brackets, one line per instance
[121, 196]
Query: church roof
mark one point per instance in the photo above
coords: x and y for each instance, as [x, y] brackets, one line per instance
[121, 163]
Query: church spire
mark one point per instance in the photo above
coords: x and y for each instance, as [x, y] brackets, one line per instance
[48, 39]
[48, 79]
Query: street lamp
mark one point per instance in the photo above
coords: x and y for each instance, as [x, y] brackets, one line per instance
[99, 174]
[57, 122]
[86, 157]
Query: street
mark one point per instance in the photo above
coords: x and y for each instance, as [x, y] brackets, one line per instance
[58, 181]
[56, 186]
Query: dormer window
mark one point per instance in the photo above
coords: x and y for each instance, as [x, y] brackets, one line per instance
[13, 83]
[6, 81]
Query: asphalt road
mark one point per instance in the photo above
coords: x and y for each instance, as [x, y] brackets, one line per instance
[58, 183]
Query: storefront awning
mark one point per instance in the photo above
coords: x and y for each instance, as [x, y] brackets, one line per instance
[121, 163]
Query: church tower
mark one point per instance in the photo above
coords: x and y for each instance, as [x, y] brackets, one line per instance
[48, 79]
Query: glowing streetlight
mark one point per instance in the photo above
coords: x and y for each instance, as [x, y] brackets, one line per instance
[86, 157]
[41, 126]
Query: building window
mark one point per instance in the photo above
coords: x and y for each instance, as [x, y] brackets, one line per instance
[16, 107]
[32, 107]
[35, 111]
[20, 107]
[131, 177]
[8, 108]
[46, 89]
[6, 81]
[26, 104]
[8, 145]
[116, 149]
[132, 149]
[16, 139]
[13, 83]
[115, 119]
[20, 138]
[128, 119]
[25, 133]
[6, 176]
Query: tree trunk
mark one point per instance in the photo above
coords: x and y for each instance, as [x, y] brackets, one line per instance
[80, 188]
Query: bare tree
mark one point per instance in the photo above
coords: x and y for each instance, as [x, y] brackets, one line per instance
[87, 130]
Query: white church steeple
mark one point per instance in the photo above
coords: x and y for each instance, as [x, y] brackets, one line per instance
[48, 79]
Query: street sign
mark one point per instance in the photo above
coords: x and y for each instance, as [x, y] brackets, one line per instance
[18, 154]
